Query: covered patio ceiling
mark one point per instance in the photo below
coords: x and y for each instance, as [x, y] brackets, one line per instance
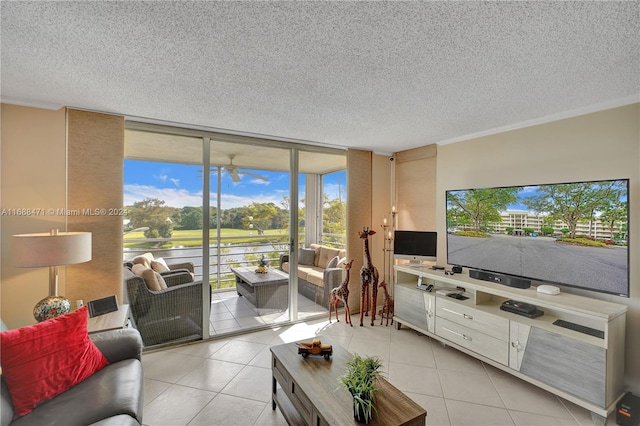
[260, 155]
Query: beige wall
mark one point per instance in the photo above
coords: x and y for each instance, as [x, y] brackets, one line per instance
[416, 174]
[35, 174]
[369, 189]
[96, 178]
[603, 145]
[32, 177]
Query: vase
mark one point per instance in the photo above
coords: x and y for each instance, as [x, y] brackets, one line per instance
[360, 415]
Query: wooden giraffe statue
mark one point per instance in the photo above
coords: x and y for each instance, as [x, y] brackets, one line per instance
[368, 276]
[341, 294]
[387, 305]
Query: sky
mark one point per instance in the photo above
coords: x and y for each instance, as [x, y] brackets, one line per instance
[180, 185]
[531, 191]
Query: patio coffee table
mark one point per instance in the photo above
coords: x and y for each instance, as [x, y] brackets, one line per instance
[269, 290]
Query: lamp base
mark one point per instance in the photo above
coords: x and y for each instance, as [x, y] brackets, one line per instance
[51, 307]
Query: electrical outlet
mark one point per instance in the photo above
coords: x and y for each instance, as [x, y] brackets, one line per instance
[79, 303]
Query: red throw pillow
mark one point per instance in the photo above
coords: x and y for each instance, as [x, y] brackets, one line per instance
[43, 360]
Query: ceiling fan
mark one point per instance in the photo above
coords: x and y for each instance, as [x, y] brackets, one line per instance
[235, 172]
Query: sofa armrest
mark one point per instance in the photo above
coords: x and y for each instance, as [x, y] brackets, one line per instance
[184, 265]
[178, 277]
[332, 277]
[118, 345]
[283, 258]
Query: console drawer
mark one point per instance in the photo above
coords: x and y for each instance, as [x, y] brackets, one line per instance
[474, 319]
[301, 402]
[474, 340]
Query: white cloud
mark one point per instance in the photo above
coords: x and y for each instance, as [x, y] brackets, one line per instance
[174, 197]
[175, 181]
[171, 196]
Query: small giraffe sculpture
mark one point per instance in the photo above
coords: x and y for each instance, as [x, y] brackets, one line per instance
[387, 305]
[368, 276]
[341, 294]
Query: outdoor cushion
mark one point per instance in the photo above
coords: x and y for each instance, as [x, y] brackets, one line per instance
[159, 265]
[326, 254]
[315, 277]
[306, 256]
[152, 279]
[333, 263]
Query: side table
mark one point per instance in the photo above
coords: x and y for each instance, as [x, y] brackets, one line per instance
[111, 321]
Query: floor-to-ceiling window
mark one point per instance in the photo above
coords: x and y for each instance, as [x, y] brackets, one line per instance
[228, 201]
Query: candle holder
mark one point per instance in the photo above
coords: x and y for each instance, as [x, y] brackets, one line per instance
[387, 246]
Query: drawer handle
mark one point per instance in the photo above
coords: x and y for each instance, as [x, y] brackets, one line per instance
[465, 316]
[518, 347]
[464, 336]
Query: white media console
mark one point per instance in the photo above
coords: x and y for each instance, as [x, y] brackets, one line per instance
[584, 369]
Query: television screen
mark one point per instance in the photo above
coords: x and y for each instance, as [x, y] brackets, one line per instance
[415, 246]
[573, 234]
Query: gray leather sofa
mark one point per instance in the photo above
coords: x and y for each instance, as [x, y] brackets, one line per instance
[112, 396]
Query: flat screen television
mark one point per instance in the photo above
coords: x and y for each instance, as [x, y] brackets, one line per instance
[415, 246]
[572, 234]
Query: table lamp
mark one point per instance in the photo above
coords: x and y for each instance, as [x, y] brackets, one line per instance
[51, 250]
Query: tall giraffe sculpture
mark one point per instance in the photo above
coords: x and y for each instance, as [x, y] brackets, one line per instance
[387, 305]
[368, 276]
[341, 294]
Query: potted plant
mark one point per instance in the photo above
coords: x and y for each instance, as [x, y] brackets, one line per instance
[263, 266]
[360, 379]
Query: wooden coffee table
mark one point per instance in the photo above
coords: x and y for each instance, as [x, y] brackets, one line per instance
[309, 391]
[269, 290]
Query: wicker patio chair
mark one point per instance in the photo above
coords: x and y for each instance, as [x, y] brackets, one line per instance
[166, 315]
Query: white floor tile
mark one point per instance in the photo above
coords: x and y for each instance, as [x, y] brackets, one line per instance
[176, 406]
[229, 410]
[227, 381]
[213, 375]
[467, 414]
[238, 351]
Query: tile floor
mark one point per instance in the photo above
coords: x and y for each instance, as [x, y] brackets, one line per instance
[231, 313]
[227, 381]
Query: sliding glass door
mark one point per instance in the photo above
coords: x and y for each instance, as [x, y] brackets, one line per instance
[233, 203]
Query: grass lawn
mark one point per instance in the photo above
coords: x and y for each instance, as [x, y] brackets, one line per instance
[193, 238]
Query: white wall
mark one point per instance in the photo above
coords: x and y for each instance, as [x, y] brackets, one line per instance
[603, 145]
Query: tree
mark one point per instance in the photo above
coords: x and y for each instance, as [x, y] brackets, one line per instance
[190, 218]
[615, 214]
[574, 202]
[262, 216]
[154, 214]
[480, 206]
[334, 216]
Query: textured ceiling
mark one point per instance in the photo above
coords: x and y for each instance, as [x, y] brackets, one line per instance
[382, 76]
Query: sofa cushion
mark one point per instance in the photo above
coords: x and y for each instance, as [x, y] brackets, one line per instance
[43, 360]
[333, 263]
[304, 271]
[316, 247]
[144, 259]
[114, 390]
[306, 256]
[160, 265]
[326, 254]
[152, 279]
[315, 276]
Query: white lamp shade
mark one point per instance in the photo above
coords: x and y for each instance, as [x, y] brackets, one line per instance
[43, 249]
